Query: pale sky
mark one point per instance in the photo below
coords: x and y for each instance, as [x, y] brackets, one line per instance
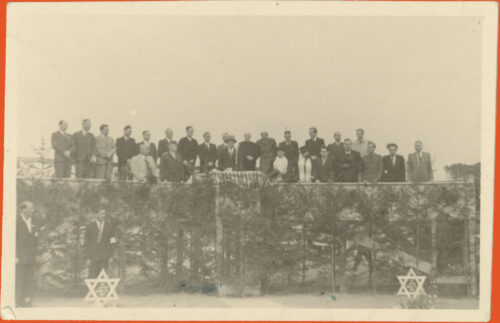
[399, 78]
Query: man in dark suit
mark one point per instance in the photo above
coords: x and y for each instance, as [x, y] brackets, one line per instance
[100, 236]
[314, 144]
[337, 147]
[61, 143]
[267, 152]
[83, 150]
[125, 150]
[348, 164]
[150, 147]
[394, 169]
[172, 168]
[248, 152]
[228, 155]
[163, 144]
[207, 153]
[188, 149]
[26, 250]
[323, 167]
[292, 153]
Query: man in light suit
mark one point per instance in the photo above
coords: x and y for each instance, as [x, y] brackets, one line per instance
[164, 143]
[172, 166]
[105, 150]
[83, 150]
[125, 150]
[61, 143]
[143, 166]
[100, 237]
[207, 153]
[394, 169]
[419, 165]
[151, 148]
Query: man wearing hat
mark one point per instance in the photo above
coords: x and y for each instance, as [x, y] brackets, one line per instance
[228, 156]
[394, 169]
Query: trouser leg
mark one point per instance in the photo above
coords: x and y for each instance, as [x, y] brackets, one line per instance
[59, 168]
[100, 171]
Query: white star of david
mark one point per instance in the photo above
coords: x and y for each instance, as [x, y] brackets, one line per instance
[411, 277]
[94, 294]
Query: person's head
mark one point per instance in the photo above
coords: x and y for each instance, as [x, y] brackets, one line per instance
[63, 125]
[172, 147]
[264, 134]
[101, 214]
[230, 141]
[313, 132]
[104, 129]
[247, 136]
[288, 135]
[281, 153]
[27, 208]
[169, 133]
[207, 136]
[347, 144]
[304, 152]
[371, 147]
[418, 146]
[360, 134]
[127, 130]
[189, 131]
[143, 149]
[393, 148]
[146, 135]
[324, 152]
[224, 136]
[338, 136]
[86, 124]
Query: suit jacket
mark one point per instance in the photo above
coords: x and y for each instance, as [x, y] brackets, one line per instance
[420, 171]
[82, 146]
[267, 148]
[142, 167]
[103, 146]
[99, 250]
[163, 146]
[393, 173]
[314, 146]
[152, 150]
[335, 150]
[292, 152]
[188, 149]
[172, 168]
[246, 149]
[207, 154]
[323, 172]
[226, 160]
[26, 242]
[60, 144]
[372, 168]
[348, 167]
[125, 149]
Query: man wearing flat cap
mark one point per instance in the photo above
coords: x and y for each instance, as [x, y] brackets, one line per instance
[394, 169]
[228, 156]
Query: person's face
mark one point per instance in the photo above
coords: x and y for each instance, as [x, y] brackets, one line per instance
[247, 137]
[172, 148]
[264, 135]
[101, 215]
[418, 146]
[207, 137]
[347, 145]
[281, 153]
[190, 132]
[360, 134]
[169, 133]
[371, 148]
[312, 133]
[393, 150]
[288, 136]
[337, 136]
[63, 126]
[324, 152]
[105, 131]
[28, 210]
[86, 125]
[146, 136]
[127, 132]
[230, 144]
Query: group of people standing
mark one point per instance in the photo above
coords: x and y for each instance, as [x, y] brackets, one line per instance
[172, 161]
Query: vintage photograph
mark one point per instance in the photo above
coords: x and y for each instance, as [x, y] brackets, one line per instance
[249, 160]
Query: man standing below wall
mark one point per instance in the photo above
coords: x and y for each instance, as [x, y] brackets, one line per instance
[419, 165]
[105, 150]
[267, 147]
[83, 149]
[99, 240]
[61, 143]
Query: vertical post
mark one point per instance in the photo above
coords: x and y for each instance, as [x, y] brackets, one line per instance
[434, 253]
[470, 227]
[343, 282]
[219, 252]
[333, 259]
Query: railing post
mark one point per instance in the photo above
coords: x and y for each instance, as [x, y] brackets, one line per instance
[219, 251]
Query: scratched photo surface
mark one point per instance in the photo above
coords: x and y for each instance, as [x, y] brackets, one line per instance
[200, 159]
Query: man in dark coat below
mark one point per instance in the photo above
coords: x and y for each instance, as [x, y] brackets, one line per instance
[207, 152]
[314, 144]
[323, 167]
[172, 168]
[188, 149]
[99, 240]
[228, 155]
[292, 153]
[126, 148]
[248, 152]
[83, 150]
[61, 143]
[394, 169]
[26, 250]
[348, 164]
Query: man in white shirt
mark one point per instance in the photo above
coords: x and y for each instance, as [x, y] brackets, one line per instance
[361, 145]
[143, 166]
